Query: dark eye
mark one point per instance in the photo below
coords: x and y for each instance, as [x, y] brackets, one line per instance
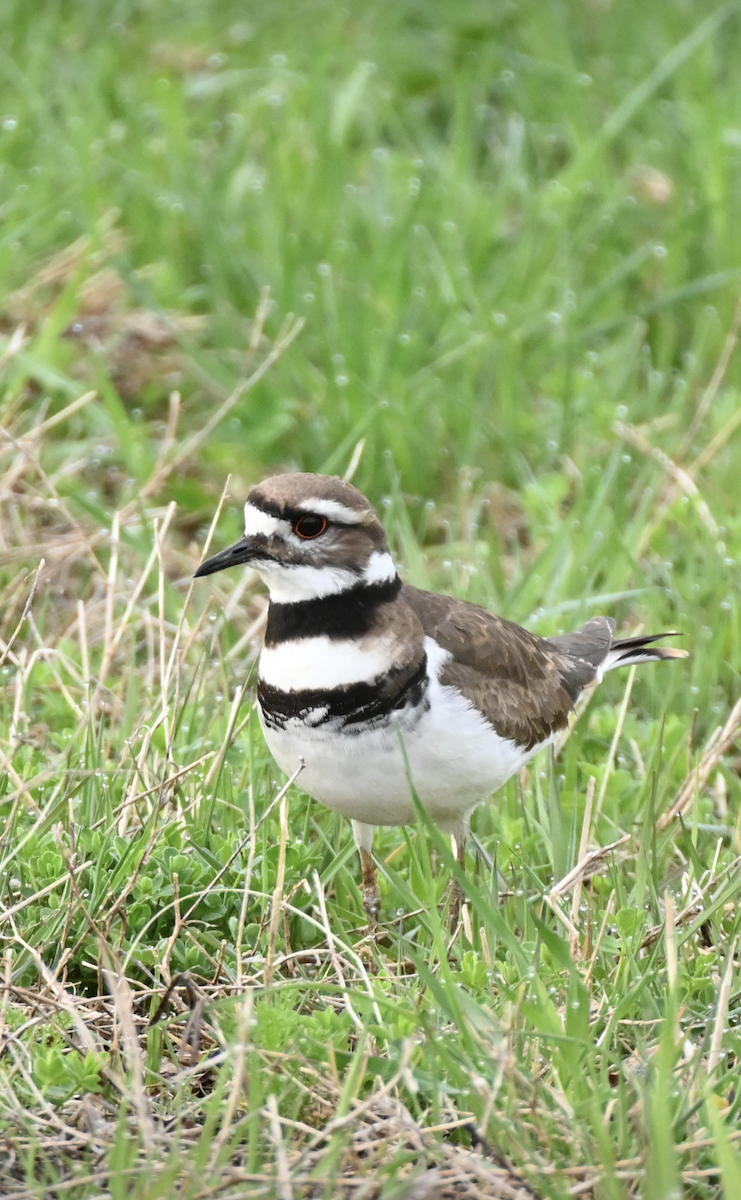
[311, 526]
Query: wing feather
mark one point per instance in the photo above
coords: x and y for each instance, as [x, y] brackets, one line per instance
[523, 687]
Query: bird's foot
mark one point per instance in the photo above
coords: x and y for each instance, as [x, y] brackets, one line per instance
[457, 898]
[457, 895]
[371, 890]
[372, 903]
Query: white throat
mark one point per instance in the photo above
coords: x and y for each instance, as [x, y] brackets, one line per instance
[290, 584]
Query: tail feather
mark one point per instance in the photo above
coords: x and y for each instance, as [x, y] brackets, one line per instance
[626, 651]
[590, 651]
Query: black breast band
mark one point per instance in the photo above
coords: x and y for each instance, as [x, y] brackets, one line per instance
[366, 703]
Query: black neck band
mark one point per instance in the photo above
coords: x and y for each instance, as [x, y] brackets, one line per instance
[343, 615]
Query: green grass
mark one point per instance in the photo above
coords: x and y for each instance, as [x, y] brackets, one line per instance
[499, 245]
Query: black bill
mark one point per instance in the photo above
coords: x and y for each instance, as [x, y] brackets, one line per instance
[241, 552]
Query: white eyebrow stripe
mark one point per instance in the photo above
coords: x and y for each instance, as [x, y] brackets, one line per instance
[333, 510]
[256, 521]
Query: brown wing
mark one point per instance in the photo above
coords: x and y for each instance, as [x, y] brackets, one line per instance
[524, 685]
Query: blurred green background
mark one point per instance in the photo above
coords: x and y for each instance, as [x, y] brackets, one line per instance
[506, 226]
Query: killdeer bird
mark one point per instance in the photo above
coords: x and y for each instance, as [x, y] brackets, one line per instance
[371, 682]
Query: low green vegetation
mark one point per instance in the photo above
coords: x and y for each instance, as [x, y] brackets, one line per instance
[488, 257]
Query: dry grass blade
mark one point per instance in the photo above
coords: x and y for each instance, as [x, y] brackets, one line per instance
[62, 997]
[246, 889]
[161, 786]
[567, 923]
[110, 596]
[614, 744]
[112, 640]
[120, 990]
[41, 818]
[362, 1107]
[15, 343]
[162, 639]
[8, 646]
[716, 443]
[354, 462]
[251, 632]
[7, 981]
[333, 951]
[721, 1017]
[679, 475]
[679, 919]
[609, 910]
[383, 1127]
[587, 866]
[348, 951]
[277, 894]
[204, 552]
[39, 431]
[719, 374]
[7, 913]
[283, 1180]
[288, 333]
[238, 1080]
[218, 762]
[670, 929]
[181, 919]
[583, 845]
[718, 744]
[683, 480]
[82, 542]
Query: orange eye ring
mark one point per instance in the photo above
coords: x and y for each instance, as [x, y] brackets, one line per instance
[311, 526]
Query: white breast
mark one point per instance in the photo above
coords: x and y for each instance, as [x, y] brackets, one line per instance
[454, 757]
[321, 662]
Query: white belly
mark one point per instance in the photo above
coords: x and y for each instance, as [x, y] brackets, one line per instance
[455, 760]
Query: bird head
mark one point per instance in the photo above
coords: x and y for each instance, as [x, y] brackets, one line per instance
[308, 536]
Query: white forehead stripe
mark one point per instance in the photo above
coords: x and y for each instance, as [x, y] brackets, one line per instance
[257, 521]
[320, 662]
[333, 510]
